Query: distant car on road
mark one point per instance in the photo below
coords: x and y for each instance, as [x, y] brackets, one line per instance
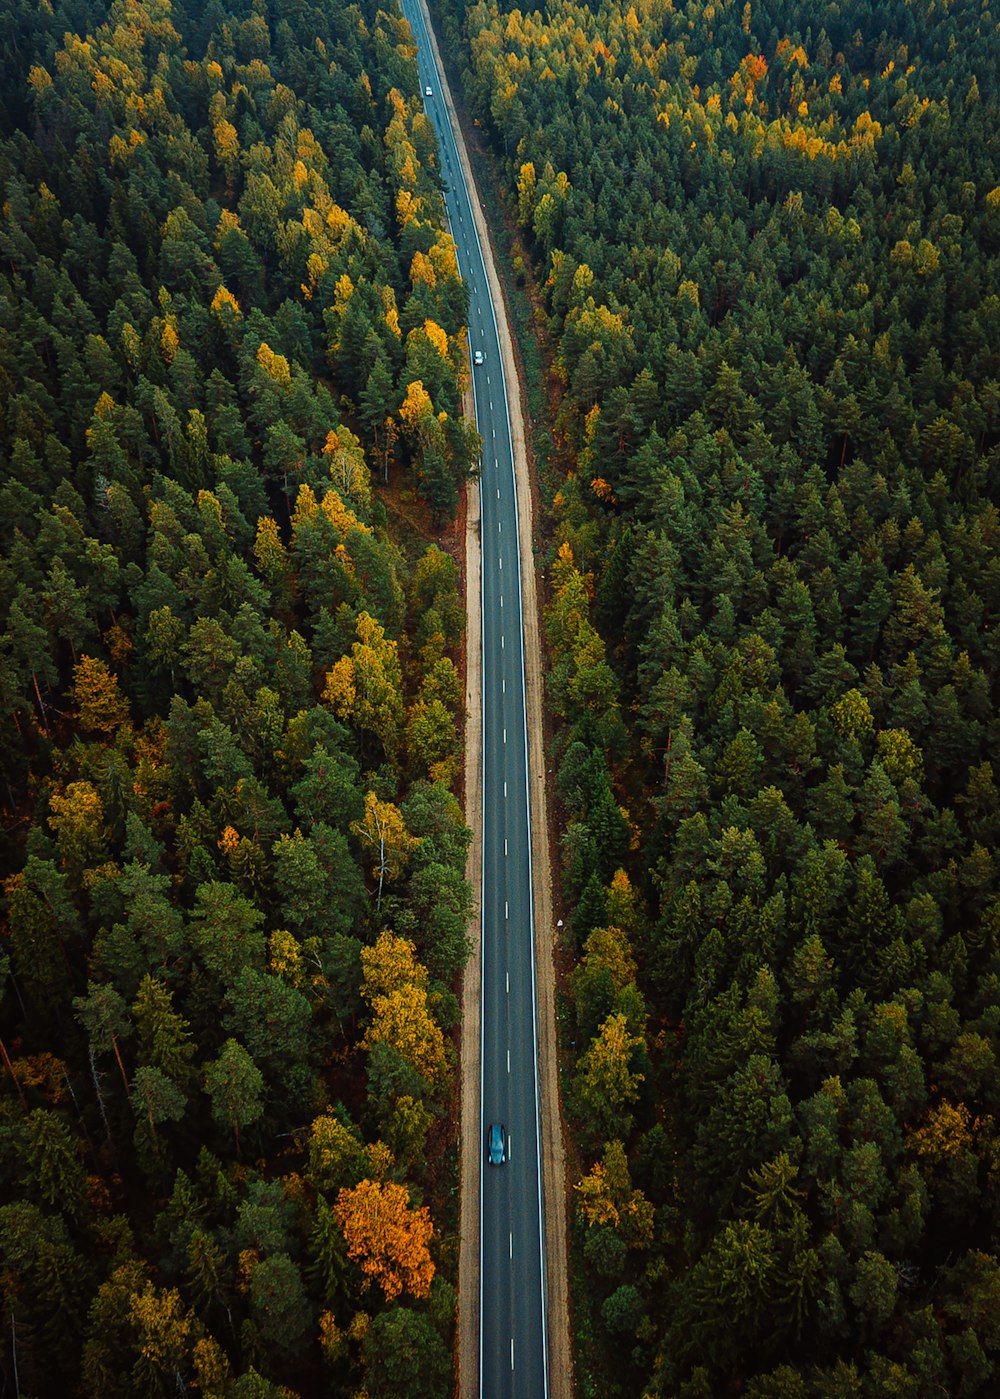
[428, 91]
[497, 1148]
[477, 358]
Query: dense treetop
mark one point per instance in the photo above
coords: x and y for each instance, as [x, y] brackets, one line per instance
[234, 898]
[767, 237]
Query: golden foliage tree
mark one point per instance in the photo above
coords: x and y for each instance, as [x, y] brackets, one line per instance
[386, 1237]
[606, 1198]
[99, 703]
[390, 964]
[403, 1020]
[366, 686]
[383, 832]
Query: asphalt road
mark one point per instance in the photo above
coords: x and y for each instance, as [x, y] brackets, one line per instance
[512, 1307]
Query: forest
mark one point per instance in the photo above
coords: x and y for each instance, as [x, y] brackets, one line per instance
[765, 236]
[233, 855]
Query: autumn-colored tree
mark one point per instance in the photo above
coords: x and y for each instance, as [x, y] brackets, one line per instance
[165, 1335]
[607, 1199]
[402, 1020]
[365, 687]
[100, 704]
[337, 1156]
[384, 835]
[76, 816]
[387, 1237]
[389, 965]
[606, 1082]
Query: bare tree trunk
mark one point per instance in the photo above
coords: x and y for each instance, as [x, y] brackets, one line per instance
[13, 1352]
[10, 1070]
[114, 1045]
[38, 696]
[83, 1125]
[100, 1103]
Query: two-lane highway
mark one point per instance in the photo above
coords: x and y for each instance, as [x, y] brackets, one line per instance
[512, 1330]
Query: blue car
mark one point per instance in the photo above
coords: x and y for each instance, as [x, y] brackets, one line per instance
[497, 1148]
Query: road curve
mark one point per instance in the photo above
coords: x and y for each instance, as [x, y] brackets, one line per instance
[512, 1323]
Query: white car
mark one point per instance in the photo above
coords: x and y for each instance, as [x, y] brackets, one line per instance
[428, 91]
[477, 358]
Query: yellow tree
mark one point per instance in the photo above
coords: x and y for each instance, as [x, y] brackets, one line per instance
[346, 463]
[606, 1082]
[432, 738]
[227, 144]
[606, 1198]
[390, 964]
[99, 703]
[610, 947]
[383, 832]
[275, 366]
[623, 907]
[945, 1135]
[165, 1332]
[285, 957]
[403, 1021]
[852, 715]
[272, 556]
[336, 1156]
[224, 305]
[366, 686]
[386, 1237]
[76, 817]
[416, 406]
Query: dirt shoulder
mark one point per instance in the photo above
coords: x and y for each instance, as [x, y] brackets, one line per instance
[553, 1161]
